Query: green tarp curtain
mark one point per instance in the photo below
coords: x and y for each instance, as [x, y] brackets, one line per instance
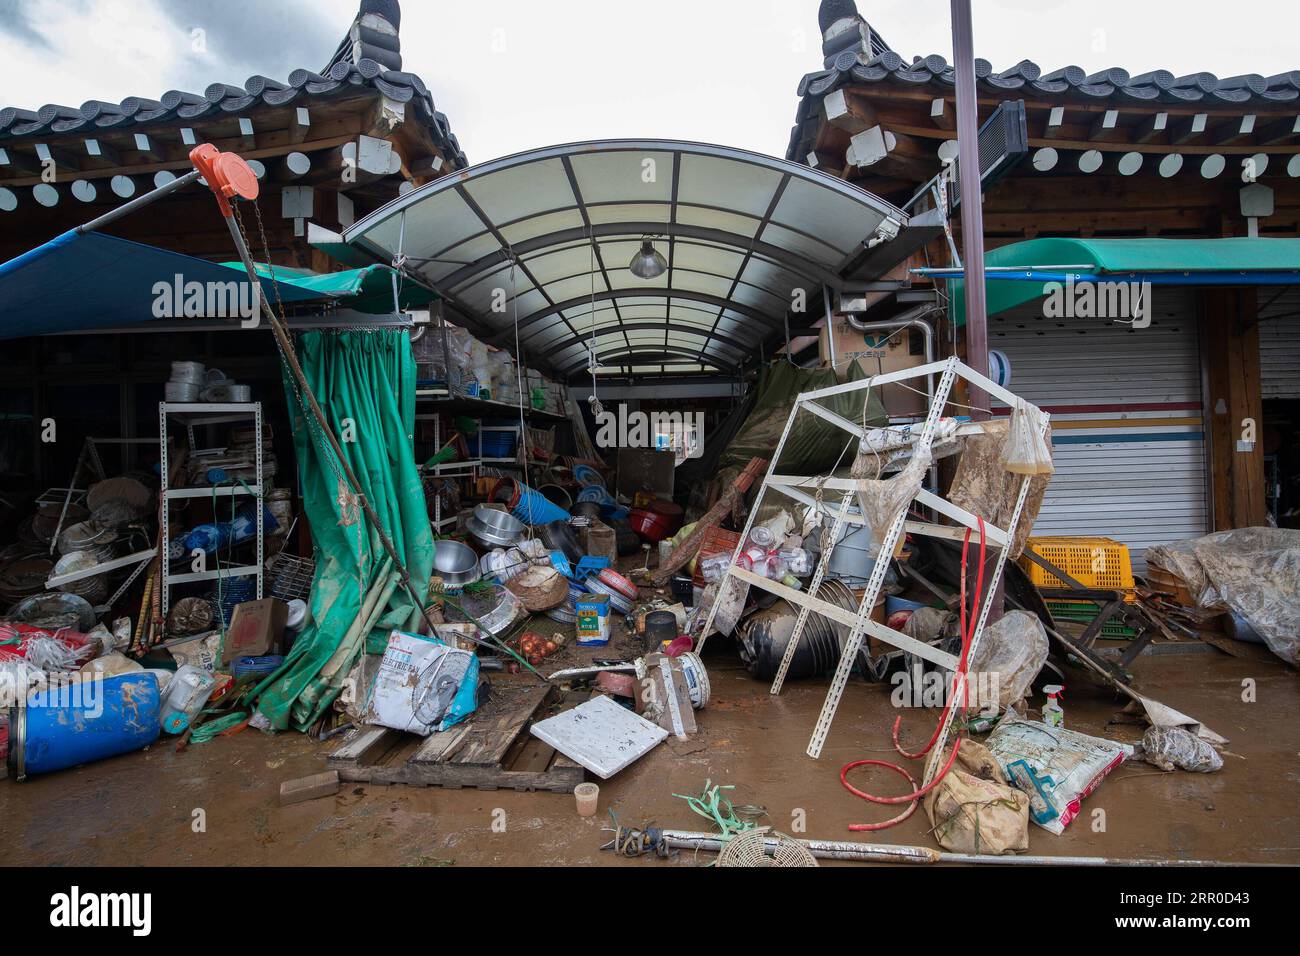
[815, 445]
[365, 384]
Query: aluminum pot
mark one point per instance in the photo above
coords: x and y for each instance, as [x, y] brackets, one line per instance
[495, 528]
[456, 564]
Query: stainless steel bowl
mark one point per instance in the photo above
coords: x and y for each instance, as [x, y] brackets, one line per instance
[496, 528]
[456, 564]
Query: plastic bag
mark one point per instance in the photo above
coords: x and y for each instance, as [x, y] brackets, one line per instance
[1056, 767]
[1026, 451]
[1172, 748]
[1011, 652]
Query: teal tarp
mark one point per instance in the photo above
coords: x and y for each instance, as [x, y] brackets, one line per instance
[365, 383]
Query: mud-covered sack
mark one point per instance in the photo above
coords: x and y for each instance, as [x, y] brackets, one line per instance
[1066, 765]
[974, 809]
[1172, 748]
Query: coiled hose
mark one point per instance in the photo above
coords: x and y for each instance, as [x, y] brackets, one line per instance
[912, 799]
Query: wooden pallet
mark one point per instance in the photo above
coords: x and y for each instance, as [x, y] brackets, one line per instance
[491, 751]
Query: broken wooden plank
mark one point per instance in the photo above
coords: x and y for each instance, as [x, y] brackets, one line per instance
[309, 788]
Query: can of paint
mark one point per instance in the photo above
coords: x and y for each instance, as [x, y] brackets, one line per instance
[71, 723]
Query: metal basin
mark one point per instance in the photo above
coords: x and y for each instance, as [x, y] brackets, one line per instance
[495, 528]
[456, 564]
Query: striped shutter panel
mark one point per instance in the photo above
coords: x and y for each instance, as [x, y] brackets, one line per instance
[1279, 342]
[1128, 433]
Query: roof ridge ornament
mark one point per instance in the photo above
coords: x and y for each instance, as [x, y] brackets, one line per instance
[845, 31]
[373, 35]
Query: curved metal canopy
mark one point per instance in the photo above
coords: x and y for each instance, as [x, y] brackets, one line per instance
[544, 240]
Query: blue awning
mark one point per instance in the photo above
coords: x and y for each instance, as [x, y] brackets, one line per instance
[87, 281]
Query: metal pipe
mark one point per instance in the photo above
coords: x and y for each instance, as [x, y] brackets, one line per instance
[914, 318]
[972, 210]
[888, 853]
[830, 326]
[145, 200]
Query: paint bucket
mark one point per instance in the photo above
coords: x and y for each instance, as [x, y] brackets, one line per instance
[587, 795]
[77, 723]
[697, 679]
[851, 561]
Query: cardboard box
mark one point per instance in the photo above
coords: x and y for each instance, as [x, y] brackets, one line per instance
[880, 352]
[256, 629]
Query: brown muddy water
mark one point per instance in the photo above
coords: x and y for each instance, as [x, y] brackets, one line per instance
[142, 808]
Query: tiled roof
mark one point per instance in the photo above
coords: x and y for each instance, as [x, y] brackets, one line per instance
[1028, 79]
[357, 64]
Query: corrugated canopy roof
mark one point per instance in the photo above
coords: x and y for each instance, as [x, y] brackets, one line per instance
[548, 236]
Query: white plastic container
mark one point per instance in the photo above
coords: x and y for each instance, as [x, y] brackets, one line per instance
[187, 693]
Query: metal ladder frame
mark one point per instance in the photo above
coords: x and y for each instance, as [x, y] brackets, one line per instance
[860, 624]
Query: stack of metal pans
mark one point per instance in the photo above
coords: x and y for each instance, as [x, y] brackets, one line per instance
[22, 578]
[617, 601]
[55, 609]
[494, 529]
[93, 589]
[91, 537]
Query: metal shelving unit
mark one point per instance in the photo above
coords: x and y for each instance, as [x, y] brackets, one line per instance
[453, 469]
[192, 416]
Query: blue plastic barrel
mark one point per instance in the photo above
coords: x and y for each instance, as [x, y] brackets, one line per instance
[535, 508]
[72, 724]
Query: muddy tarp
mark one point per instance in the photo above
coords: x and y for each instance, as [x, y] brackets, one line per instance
[984, 487]
[1253, 572]
[815, 446]
[365, 384]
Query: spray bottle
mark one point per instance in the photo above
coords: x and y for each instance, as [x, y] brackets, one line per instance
[1053, 715]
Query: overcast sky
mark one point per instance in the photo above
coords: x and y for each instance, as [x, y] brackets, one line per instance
[517, 74]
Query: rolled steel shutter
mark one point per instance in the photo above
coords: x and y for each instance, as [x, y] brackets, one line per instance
[1279, 342]
[1128, 432]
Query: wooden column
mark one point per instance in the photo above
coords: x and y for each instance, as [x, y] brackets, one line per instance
[1234, 403]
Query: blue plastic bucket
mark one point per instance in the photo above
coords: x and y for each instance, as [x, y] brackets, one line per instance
[70, 724]
[534, 508]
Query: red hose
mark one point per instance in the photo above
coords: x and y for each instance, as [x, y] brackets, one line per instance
[967, 630]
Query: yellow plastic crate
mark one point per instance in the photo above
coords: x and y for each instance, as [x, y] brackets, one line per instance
[1101, 563]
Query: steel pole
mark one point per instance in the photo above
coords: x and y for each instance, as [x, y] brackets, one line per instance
[972, 210]
[150, 197]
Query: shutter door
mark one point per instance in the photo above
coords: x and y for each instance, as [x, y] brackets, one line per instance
[1128, 433]
[1279, 342]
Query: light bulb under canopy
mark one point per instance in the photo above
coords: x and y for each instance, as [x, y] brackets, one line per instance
[649, 263]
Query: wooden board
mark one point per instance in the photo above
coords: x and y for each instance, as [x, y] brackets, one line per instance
[490, 751]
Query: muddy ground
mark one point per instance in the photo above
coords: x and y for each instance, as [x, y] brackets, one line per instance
[140, 809]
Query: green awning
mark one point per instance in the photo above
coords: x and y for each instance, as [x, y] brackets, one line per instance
[368, 290]
[1023, 268]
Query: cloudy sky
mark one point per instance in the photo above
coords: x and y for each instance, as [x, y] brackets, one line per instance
[516, 74]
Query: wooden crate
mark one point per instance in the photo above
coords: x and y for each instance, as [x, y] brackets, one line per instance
[491, 751]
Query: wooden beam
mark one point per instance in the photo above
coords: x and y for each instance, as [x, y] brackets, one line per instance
[1055, 122]
[102, 153]
[1188, 129]
[147, 148]
[61, 158]
[1151, 128]
[292, 166]
[1235, 407]
[1106, 126]
[1278, 131]
[12, 163]
[942, 113]
[847, 112]
[1235, 130]
[301, 125]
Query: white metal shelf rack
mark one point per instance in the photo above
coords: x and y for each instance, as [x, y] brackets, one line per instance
[197, 415]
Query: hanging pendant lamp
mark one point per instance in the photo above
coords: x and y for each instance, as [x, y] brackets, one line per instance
[649, 263]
